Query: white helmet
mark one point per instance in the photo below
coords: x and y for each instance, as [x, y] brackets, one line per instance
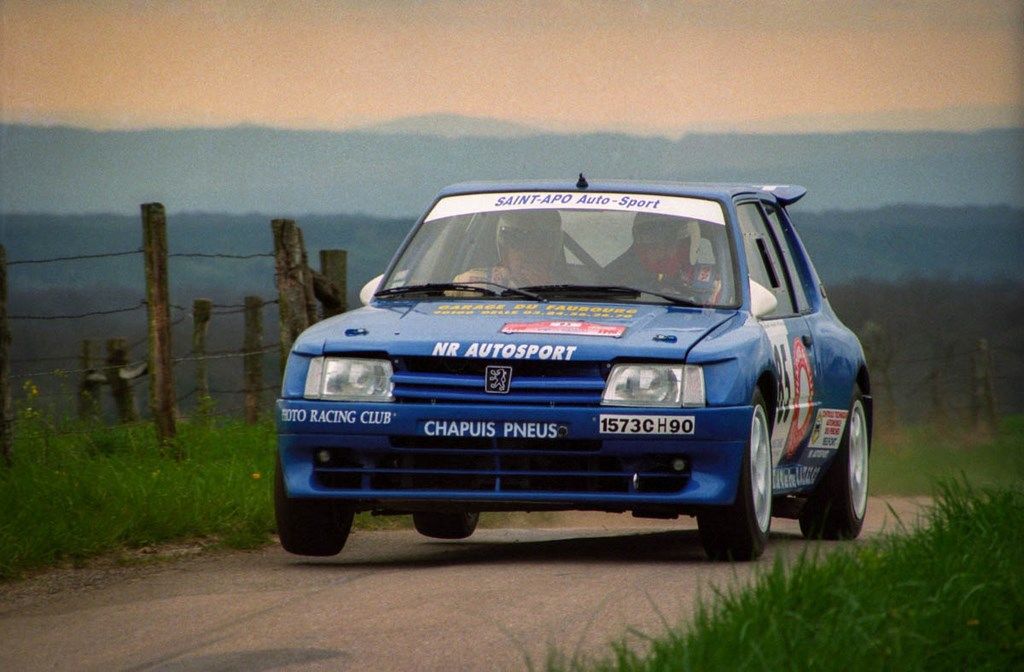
[537, 233]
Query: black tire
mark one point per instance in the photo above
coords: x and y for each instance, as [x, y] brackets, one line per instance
[445, 525]
[317, 527]
[831, 512]
[733, 532]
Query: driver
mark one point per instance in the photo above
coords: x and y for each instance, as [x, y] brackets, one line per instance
[529, 251]
[665, 257]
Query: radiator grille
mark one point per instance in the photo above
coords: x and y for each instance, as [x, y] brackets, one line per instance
[432, 464]
[454, 380]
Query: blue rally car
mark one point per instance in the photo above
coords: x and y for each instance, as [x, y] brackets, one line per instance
[664, 349]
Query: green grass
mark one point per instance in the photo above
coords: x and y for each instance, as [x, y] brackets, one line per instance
[77, 491]
[74, 493]
[947, 597]
[912, 460]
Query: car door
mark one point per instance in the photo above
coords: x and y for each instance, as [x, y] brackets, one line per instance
[835, 364]
[793, 347]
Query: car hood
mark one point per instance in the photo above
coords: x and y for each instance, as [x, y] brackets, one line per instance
[488, 329]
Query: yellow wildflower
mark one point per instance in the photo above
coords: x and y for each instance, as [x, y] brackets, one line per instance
[31, 391]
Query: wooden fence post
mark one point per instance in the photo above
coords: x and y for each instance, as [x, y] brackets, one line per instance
[983, 405]
[89, 385]
[294, 284]
[936, 397]
[308, 292]
[943, 413]
[6, 401]
[161, 380]
[201, 311]
[879, 350]
[330, 284]
[120, 388]
[252, 362]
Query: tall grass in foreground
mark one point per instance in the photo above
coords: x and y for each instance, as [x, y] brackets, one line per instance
[946, 597]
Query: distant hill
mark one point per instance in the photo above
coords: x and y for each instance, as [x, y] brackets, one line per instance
[914, 242]
[395, 174]
[451, 126]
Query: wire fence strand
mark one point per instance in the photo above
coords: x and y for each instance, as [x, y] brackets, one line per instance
[102, 255]
[265, 388]
[223, 354]
[226, 354]
[77, 316]
[36, 360]
[61, 373]
[216, 255]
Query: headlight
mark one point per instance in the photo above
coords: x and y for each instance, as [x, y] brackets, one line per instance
[664, 385]
[349, 379]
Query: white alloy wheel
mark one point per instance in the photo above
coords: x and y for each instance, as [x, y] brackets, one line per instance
[836, 507]
[858, 443]
[739, 531]
[761, 468]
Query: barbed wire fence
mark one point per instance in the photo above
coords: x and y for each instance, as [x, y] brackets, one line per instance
[80, 380]
[956, 385]
[957, 382]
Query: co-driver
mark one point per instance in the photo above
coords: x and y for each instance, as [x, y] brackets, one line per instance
[665, 258]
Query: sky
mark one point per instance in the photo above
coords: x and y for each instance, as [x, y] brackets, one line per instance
[642, 67]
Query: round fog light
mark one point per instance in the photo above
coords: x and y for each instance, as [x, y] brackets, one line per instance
[323, 457]
[678, 464]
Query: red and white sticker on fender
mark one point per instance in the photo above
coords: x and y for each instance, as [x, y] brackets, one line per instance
[795, 390]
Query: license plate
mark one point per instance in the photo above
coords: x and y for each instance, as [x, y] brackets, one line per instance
[647, 424]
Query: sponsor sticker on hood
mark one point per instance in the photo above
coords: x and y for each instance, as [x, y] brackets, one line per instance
[564, 328]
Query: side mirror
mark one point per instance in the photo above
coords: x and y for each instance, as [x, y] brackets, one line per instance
[762, 301]
[366, 293]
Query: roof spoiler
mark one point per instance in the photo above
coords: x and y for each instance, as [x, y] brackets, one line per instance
[786, 194]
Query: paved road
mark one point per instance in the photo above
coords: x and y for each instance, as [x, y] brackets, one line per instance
[391, 600]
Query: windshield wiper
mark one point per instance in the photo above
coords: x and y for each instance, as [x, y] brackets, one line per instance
[469, 286]
[613, 290]
[434, 288]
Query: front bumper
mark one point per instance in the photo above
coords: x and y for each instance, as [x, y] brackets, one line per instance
[517, 457]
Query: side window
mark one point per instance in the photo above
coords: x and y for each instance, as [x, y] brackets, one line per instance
[788, 257]
[763, 259]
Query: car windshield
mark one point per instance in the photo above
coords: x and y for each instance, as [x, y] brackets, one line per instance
[597, 246]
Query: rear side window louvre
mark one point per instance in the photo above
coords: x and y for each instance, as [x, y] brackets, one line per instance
[773, 277]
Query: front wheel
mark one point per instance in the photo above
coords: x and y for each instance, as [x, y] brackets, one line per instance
[317, 527]
[740, 531]
[445, 525]
[836, 508]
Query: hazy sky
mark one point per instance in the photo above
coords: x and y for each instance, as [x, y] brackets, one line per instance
[634, 66]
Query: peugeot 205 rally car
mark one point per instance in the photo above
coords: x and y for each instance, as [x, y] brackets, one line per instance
[662, 349]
